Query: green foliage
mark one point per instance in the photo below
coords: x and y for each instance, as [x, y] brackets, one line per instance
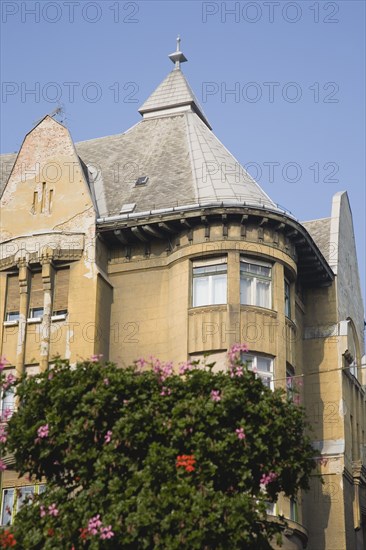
[114, 443]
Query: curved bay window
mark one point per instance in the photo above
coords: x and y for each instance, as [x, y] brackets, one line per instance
[255, 283]
[209, 282]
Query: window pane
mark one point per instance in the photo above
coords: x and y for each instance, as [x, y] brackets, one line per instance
[7, 401]
[245, 290]
[12, 316]
[264, 364]
[263, 293]
[219, 289]
[7, 506]
[266, 380]
[200, 291]
[24, 492]
[36, 312]
[287, 300]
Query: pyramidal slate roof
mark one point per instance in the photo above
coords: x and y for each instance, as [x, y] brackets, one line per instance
[174, 91]
[174, 147]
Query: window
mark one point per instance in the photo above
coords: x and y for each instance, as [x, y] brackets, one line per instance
[61, 292]
[294, 514]
[12, 299]
[210, 282]
[36, 312]
[36, 297]
[7, 404]
[255, 283]
[287, 299]
[271, 508]
[13, 498]
[262, 366]
[7, 506]
[290, 382]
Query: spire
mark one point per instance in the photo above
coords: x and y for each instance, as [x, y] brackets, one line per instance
[178, 57]
[173, 93]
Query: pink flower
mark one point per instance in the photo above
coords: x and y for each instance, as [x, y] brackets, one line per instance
[96, 358]
[3, 362]
[106, 532]
[50, 376]
[185, 367]
[43, 431]
[165, 391]
[140, 363]
[3, 435]
[52, 510]
[240, 433]
[3, 466]
[42, 511]
[106, 382]
[8, 382]
[108, 436]
[94, 524]
[266, 479]
[215, 395]
[235, 350]
[7, 414]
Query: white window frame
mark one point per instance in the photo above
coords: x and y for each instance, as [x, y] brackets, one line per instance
[254, 365]
[254, 279]
[209, 269]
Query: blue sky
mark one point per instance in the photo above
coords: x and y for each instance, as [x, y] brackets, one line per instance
[295, 116]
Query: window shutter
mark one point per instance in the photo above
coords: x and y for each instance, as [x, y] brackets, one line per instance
[36, 296]
[12, 295]
[60, 298]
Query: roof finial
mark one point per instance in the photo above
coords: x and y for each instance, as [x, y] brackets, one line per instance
[178, 57]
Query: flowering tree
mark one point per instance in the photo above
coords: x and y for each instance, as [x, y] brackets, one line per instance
[144, 458]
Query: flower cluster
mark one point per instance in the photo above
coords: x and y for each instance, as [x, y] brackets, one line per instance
[240, 433]
[2, 466]
[162, 370]
[7, 539]
[3, 434]
[7, 413]
[186, 461]
[165, 391]
[9, 381]
[95, 527]
[52, 511]
[185, 367]
[266, 479]
[234, 352]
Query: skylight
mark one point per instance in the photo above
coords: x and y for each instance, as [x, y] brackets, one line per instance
[142, 180]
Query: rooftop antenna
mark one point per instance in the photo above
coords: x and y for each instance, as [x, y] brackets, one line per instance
[59, 111]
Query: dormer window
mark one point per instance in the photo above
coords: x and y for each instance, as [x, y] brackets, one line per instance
[142, 180]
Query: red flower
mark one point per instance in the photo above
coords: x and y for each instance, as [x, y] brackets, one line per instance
[83, 533]
[50, 532]
[186, 461]
[7, 539]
